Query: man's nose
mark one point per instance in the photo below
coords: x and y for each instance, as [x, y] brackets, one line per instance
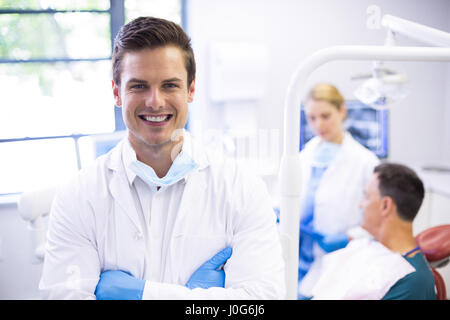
[154, 98]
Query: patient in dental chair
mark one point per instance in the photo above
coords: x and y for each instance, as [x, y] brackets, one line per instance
[387, 263]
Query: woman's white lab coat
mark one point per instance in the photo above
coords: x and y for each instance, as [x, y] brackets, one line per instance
[339, 194]
[94, 226]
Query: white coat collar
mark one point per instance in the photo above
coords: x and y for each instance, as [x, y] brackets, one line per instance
[124, 154]
[120, 156]
[347, 140]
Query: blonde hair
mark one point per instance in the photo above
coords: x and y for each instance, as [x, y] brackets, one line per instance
[326, 92]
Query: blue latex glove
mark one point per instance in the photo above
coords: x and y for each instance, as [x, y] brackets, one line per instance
[328, 242]
[119, 285]
[277, 213]
[332, 242]
[208, 275]
[311, 232]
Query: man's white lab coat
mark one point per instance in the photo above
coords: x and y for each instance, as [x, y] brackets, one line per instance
[96, 225]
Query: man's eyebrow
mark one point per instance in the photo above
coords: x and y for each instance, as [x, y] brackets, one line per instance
[135, 80]
[173, 80]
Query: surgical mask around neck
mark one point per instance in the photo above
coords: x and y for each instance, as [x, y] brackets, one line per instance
[181, 166]
[325, 153]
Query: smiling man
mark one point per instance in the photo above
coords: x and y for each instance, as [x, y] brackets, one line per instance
[158, 217]
[153, 91]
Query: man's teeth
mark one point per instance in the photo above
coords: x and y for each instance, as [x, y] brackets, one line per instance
[156, 119]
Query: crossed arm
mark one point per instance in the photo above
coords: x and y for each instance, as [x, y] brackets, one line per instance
[120, 285]
[73, 264]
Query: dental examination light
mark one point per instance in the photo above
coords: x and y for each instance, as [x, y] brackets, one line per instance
[290, 173]
[384, 87]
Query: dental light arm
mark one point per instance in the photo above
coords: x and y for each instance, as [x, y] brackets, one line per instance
[290, 174]
[416, 31]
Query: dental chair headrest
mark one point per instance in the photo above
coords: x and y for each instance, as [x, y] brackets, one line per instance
[36, 203]
[435, 242]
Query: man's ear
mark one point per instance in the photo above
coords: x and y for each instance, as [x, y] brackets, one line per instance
[191, 91]
[116, 93]
[387, 204]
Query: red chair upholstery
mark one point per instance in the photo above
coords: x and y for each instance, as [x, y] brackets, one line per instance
[435, 245]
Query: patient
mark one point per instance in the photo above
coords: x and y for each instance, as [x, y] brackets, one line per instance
[388, 264]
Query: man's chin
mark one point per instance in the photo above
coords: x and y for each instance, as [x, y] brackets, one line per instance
[152, 142]
[158, 142]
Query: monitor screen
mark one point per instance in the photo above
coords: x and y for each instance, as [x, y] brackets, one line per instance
[368, 126]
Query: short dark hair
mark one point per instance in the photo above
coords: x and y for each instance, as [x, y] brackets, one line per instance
[150, 32]
[402, 185]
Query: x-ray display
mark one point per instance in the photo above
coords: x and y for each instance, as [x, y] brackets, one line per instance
[368, 126]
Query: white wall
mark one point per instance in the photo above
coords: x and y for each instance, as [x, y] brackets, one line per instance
[446, 146]
[292, 30]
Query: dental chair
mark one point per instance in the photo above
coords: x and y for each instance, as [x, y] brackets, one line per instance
[33, 206]
[435, 245]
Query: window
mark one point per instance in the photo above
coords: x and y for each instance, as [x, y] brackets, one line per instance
[55, 71]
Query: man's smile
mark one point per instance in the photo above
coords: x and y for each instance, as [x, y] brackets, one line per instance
[156, 120]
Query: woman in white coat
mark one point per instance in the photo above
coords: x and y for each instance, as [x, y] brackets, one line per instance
[335, 168]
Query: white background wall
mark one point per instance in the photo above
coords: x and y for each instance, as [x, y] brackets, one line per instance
[291, 30]
[446, 147]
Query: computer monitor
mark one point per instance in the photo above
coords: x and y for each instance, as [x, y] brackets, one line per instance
[368, 126]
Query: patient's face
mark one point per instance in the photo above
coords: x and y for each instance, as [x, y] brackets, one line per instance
[371, 206]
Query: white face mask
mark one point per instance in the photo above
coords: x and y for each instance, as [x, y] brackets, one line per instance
[181, 166]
